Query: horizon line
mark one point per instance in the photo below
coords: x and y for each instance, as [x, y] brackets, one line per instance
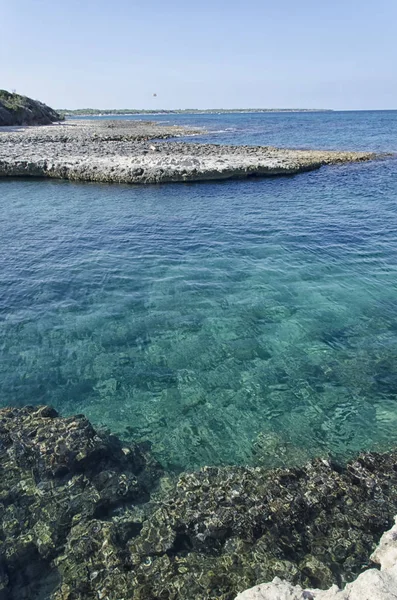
[156, 110]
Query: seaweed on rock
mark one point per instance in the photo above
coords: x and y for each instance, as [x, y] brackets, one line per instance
[86, 516]
[56, 475]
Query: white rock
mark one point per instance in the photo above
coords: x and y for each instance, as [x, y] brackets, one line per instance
[386, 553]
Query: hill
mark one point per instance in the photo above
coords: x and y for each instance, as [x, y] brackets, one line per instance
[21, 110]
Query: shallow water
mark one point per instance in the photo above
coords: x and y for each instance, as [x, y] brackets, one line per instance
[235, 322]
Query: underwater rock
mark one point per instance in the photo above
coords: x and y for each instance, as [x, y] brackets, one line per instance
[56, 474]
[86, 516]
[313, 525]
[370, 585]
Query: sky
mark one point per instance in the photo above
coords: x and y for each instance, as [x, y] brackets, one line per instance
[339, 54]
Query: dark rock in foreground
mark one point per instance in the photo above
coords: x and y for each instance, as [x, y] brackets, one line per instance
[58, 476]
[21, 110]
[81, 518]
[373, 584]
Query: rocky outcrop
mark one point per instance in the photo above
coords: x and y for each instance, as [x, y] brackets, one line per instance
[373, 584]
[21, 110]
[118, 152]
[84, 516]
[58, 477]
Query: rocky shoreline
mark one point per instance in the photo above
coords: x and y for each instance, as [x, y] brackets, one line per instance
[121, 152]
[87, 516]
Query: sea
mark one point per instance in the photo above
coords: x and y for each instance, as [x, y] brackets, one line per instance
[227, 323]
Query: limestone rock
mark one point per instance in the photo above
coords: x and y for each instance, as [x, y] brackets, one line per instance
[118, 152]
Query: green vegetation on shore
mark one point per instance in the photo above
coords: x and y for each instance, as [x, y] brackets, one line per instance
[133, 111]
[21, 110]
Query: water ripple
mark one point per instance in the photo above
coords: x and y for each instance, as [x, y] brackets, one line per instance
[243, 322]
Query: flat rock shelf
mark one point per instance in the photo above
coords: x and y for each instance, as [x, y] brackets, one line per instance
[121, 152]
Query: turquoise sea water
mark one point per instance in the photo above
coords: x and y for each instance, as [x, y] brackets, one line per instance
[249, 322]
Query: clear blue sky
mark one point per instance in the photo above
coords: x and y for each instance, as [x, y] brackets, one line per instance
[338, 54]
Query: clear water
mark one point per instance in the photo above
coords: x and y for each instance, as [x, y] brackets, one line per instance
[364, 130]
[249, 322]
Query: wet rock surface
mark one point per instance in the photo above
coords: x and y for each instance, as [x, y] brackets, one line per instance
[120, 152]
[57, 474]
[373, 584]
[86, 516]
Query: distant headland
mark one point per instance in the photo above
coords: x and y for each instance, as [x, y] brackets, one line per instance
[21, 110]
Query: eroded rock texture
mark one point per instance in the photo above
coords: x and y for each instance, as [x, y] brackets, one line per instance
[118, 152]
[85, 516]
[373, 584]
[58, 476]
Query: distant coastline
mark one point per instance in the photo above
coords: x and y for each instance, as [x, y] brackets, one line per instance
[87, 112]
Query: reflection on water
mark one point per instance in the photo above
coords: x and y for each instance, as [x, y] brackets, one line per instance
[241, 322]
